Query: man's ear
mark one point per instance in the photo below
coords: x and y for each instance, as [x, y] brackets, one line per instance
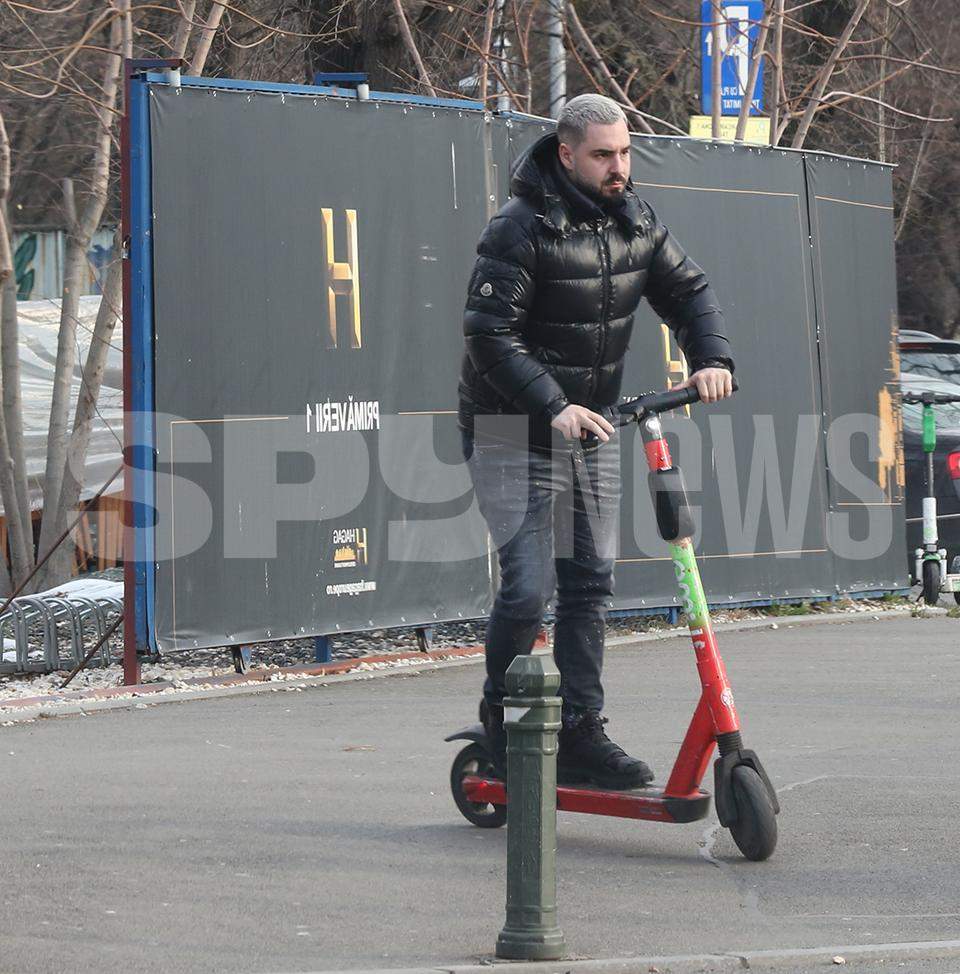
[566, 156]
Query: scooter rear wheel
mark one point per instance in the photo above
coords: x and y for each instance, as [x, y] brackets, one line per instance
[755, 830]
[474, 760]
[931, 582]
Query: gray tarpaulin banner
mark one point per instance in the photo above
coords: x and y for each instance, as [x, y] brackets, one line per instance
[247, 191]
[311, 258]
[754, 465]
[851, 212]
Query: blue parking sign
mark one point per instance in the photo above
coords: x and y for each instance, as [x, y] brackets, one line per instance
[740, 32]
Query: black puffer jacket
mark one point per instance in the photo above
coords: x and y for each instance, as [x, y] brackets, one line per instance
[552, 297]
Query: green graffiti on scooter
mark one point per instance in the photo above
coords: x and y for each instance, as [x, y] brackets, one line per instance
[685, 569]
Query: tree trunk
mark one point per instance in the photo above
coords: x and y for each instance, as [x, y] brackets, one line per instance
[19, 559]
[485, 50]
[214, 16]
[412, 48]
[58, 431]
[556, 18]
[881, 94]
[719, 42]
[60, 564]
[10, 371]
[13, 414]
[752, 74]
[78, 242]
[777, 75]
[184, 28]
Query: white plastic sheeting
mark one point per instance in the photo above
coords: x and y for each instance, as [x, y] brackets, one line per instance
[39, 332]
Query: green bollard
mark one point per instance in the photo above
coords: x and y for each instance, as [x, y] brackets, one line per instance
[532, 718]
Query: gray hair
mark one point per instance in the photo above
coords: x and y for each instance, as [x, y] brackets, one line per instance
[579, 112]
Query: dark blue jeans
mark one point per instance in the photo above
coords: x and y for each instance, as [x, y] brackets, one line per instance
[554, 521]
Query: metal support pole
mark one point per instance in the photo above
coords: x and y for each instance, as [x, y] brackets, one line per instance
[241, 658]
[557, 57]
[321, 649]
[501, 46]
[531, 718]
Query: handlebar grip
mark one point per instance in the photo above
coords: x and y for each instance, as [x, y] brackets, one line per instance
[662, 402]
[929, 398]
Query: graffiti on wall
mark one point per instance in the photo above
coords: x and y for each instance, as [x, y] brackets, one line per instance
[22, 259]
[38, 263]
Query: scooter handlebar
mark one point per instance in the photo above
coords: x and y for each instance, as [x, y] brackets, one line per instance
[659, 402]
[930, 398]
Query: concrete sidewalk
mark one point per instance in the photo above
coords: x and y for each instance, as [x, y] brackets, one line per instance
[313, 830]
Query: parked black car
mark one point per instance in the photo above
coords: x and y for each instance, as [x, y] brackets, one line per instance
[928, 363]
[924, 354]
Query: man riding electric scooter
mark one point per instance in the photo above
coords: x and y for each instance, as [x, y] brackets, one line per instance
[561, 269]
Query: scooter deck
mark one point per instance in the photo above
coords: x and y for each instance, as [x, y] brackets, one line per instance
[639, 803]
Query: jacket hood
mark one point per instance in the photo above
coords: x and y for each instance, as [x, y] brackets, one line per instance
[537, 177]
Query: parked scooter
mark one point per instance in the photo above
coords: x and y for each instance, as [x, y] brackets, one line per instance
[930, 561]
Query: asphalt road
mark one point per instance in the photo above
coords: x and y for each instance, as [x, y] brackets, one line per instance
[314, 830]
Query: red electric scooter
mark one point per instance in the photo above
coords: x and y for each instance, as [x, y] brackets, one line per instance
[745, 800]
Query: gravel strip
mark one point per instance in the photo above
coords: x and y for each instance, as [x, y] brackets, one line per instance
[202, 663]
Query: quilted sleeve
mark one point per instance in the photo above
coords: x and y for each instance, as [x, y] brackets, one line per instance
[680, 293]
[499, 297]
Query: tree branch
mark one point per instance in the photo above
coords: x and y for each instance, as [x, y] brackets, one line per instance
[578, 30]
[826, 72]
[412, 48]
[752, 76]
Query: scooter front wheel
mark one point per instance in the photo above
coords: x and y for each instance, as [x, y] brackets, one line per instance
[755, 830]
[931, 582]
[474, 760]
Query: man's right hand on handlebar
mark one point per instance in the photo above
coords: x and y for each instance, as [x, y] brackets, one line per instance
[575, 422]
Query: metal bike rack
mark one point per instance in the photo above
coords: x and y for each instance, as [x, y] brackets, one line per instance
[52, 617]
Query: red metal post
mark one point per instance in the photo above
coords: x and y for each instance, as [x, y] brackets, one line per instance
[131, 660]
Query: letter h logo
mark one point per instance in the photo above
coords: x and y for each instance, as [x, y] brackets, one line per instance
[677, 369]
[361, 546]
[343, 277]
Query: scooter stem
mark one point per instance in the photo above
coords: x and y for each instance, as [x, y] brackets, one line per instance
[715, 715]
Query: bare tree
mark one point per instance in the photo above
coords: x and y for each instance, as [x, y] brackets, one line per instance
[826, 73]
[756, 60]
[81, 228]
[75, 54]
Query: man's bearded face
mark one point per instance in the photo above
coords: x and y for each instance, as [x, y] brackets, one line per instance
[600, 164]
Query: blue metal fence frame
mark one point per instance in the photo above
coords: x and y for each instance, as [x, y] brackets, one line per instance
[336, 91]
[142, 455]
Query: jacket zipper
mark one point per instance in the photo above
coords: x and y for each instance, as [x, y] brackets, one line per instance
[605, 276]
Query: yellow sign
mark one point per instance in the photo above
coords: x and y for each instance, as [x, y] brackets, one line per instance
[677, 369]
[351, 550]
[343, 277]
[890, 471]
[757, 133]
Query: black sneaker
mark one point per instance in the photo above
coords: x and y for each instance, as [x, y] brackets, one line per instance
[587, 755]
[491, 716]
